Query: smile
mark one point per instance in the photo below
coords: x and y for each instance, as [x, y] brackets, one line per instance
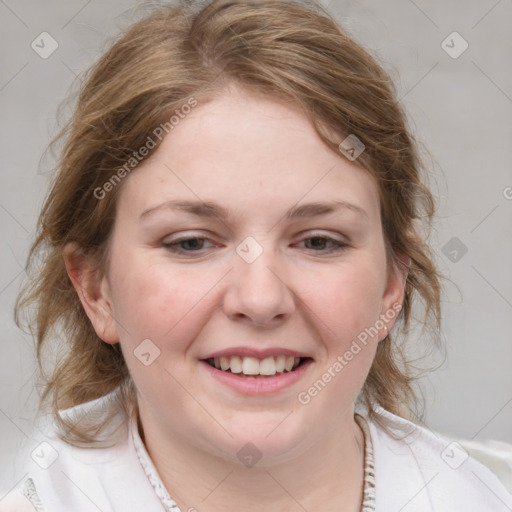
[255, 372]
[252, 366]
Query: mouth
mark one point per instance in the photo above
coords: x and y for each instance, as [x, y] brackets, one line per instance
[248, 366]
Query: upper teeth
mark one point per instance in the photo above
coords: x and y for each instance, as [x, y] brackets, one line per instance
[253, 366]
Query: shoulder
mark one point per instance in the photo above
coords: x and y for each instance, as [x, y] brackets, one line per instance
[419, 469]
[62, 477]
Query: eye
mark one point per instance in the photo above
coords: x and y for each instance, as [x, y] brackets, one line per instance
[324, 244]
[186, 245]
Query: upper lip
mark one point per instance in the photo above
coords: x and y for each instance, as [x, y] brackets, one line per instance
[253, 352]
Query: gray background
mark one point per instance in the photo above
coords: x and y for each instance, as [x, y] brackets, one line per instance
[460, 109]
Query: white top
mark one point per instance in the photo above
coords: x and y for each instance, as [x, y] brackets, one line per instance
[421, 472]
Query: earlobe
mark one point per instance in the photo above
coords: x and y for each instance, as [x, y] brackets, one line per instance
[93, 291]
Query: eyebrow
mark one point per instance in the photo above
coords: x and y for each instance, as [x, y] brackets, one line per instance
[211, 209]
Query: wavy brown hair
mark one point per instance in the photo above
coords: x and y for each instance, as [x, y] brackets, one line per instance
[292, 51]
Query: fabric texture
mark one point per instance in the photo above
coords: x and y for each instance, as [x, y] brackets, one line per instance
[409, 468]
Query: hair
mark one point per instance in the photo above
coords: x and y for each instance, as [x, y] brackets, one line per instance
[292, 51]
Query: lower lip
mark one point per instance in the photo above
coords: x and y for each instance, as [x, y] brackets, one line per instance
[258, 385]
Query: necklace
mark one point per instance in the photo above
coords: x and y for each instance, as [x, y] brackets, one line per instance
[368, 504]
[368, 498]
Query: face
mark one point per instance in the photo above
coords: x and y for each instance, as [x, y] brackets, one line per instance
[244, 243]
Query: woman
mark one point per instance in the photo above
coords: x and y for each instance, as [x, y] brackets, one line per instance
[233, 233]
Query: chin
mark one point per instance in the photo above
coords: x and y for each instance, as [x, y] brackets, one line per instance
[264, 441]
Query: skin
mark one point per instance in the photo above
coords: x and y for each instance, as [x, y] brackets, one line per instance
[258, 158]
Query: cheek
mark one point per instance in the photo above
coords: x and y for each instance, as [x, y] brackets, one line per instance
[165, 303]
[347, 300]
[149, 300]
[155, 303]
[346, 303]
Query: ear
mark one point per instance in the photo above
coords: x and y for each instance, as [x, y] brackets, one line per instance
[394, 294]
[93, 290]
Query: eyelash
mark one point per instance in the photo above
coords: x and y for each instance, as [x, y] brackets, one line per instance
[173, 246]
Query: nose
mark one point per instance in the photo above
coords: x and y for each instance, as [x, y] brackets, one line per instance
[258, 293]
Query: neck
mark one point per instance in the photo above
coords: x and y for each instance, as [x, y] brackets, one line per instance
[329, 475]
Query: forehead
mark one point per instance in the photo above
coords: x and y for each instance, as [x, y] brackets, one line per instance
[252, 154]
